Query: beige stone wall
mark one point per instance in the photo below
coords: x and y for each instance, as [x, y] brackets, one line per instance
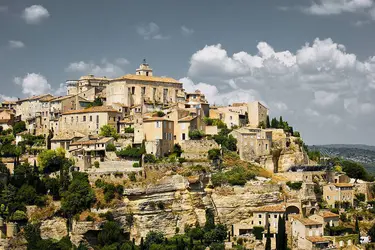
[331, 194]
[211, 130]
[160, 135]
[197, 149]
[88, 123]
[257, 113]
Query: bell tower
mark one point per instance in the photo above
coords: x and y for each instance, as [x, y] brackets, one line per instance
[144, 69]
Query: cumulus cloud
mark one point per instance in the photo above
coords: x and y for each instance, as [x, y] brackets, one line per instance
[186, 31]
[150, 31]
[35, 14]
[8, 98]
[319, 85]
[104, 68]
[33, 84]
[61, 90]
[334, 7]
[16, 44]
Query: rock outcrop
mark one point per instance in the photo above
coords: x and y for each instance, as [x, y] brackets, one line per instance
[55, 228]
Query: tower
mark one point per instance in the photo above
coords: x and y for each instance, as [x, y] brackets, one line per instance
[144, 69]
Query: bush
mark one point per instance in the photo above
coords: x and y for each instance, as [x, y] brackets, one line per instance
[235, 176]
[129, 130]
[136, 165]
[294, 185]
[214, 154]
[132, 176]
[109, 131]
[110, 148]
[89, 218]
[131, 153]
[196, 134]
[96, 164]
[149, 158]
[258, 232]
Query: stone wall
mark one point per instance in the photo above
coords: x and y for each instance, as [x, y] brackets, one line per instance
[197, 149]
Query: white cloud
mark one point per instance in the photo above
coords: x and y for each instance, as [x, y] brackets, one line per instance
[33, 84]
[8, 98]
[16, 44]
[35, 14]
[150, 31]
[372, 13]
[3, 9]
[61, 90]
[104, 68]
[319, 85]
[335, 7]
[186, 31]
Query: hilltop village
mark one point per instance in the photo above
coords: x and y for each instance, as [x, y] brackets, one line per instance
[136, 162]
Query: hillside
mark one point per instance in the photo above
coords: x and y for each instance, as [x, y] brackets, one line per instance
[363, 154]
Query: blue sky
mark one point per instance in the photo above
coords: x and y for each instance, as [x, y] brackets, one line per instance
[231, 50]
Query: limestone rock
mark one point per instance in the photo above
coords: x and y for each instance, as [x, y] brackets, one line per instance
[55, 228]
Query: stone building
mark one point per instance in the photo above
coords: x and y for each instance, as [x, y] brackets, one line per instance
[326, 218]
[338, 192]
[307, 234]
[88, 87]
[231, 116]
[252, 142]
[158, 135]
[257, 113]
[30, 107]
[90, 120]
[143, 87]
[63, 140]
[6, 119]
[9, 105]
[197, 100]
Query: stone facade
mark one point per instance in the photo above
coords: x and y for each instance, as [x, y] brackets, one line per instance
[338, 192]
[197, 149]
[257, 113]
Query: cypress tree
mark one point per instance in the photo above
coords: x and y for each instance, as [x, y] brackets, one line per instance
[281, 240]
[268, 125]
[357, 229]
[191, 245]
[268, 239]
[133, 244]
[142, 247]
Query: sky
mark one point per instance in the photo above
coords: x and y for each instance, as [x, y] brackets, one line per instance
[312, 62]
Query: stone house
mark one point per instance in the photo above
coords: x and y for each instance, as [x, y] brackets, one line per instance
[143, 87]
[197, 100]
[9, 105]
[91, 144]
[326, 218]
[6, 119]
[63, 140]
[307, 234]
[158, 135]
[252, 143]
[88, 87]
[90, 120]
[231, 116]
[338, 192]
[257, 113]
[30, 107]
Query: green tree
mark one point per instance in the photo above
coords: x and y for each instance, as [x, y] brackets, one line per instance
[210, 220]
[110, 233]
[154, 237]
[79, 195]
[19, 127]
[96, 102]
[196, 134]
[177, 150]
[354, 170]
[371, 233]
[268, 239]
[52, 160]
[109, 131]
[274, 123]
[268, 125]
[357, 230]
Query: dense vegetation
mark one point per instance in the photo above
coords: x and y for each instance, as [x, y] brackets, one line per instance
[235, 176]
[109, 131]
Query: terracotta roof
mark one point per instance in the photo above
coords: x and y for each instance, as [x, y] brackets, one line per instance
[280, 208]
[95, 109]
[5, 120]
[328, 214]
[67, 136]
[155, 118]
[343, 184]
[308, 222]
[148, 78]
[47, 98]
[239, 104]
[317, 239]
[9, 102]
[60, 98]
[92, 77]
[35, 97]
[127, 120]
[187, 118]
[86, 141]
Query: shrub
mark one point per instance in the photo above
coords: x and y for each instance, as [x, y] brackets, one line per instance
[109, 131]
[110, 147]
[149, 158]
[235, 176]
[131, 153]
[181, 160]
[89, 218]
[132, 176]
[160, 113]
[177, 150]
[96, 164]
[294, 185]
[258, 232]
[214, 154]
[129, 130]
[136, 165]
[160, 205]
[196, 134]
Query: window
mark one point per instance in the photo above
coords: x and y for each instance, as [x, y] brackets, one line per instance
[183, 136]
[260, 223]
[170, 125]
[153, 92]
[84, 118]
[71, 119]
[157, 124]
[275, 216]
[90, 118]
[65, 119]
[133, 90]
[76, 118]
[230, 118]
[146, 73]
[260, 216]
[143, 90]
[97, 119]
